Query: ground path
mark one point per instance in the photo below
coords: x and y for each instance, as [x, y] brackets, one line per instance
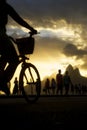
[61, 112]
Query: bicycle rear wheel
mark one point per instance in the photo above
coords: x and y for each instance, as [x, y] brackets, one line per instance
[30, 83]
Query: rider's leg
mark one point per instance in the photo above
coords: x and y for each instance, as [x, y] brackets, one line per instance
[3, 63]
[6, 77]
[10, 70]
[9, 54]
[12, 59]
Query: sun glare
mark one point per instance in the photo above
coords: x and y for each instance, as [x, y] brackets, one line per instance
[48, 68]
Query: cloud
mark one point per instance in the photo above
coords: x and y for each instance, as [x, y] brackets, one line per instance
[44, 12]
[48, 47]
[72, 50]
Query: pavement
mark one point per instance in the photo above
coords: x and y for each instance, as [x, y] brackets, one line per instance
[61, 112]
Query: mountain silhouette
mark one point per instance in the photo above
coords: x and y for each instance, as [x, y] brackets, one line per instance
[75, 75]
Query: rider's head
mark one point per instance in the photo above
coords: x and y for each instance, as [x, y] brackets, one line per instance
[2, 1]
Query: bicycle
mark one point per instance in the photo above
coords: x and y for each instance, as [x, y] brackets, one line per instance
[29, 77]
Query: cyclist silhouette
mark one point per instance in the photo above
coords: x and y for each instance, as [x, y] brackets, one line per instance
[8, 53]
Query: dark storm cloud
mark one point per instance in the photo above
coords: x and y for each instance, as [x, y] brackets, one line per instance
[43, 11]
[72, 50]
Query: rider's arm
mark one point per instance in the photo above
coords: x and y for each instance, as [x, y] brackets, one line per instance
[17, 18]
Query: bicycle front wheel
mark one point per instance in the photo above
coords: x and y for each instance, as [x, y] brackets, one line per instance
[30, 83]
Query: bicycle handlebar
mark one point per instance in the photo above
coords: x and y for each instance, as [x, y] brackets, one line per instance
[30, 35]
[33, 33]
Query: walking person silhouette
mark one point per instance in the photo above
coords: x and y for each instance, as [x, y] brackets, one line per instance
[8, 53]
[59, 81]
[53, 85]
[15, 89]
[67, 82]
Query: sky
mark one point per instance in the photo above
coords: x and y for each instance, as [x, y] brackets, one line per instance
[63, 33]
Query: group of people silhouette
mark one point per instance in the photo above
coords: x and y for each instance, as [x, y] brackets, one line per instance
[62, 85]
[58, 83]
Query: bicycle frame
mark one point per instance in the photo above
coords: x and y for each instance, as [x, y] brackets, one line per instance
[32, 78]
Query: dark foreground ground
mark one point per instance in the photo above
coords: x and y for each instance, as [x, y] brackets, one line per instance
[48, 112]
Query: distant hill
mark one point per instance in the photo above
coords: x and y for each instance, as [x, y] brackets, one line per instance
[75, 75]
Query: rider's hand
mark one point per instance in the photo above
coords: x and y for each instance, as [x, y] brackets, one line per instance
[34, 31]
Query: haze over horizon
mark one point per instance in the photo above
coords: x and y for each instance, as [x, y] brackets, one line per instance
[63, 33]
